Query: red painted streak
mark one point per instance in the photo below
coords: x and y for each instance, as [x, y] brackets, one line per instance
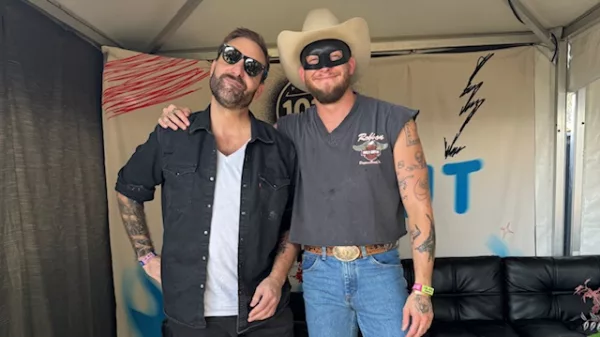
[145, 80]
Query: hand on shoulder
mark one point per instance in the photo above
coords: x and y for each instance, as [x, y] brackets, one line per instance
[174, 117]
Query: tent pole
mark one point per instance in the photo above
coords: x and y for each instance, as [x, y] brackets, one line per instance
[177, 21]
[582, 23]
[529, 20]
[560, 156]
[395, 46]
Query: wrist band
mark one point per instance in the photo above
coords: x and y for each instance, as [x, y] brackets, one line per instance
[146, 258]
[423, 288]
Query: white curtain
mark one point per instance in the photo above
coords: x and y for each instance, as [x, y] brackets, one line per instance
[590, 206]
[585, 59]
[584, 73]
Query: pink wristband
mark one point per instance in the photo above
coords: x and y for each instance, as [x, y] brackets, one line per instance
[146, 258]
[423, 288]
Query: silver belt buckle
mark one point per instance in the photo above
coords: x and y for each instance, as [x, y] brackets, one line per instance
[346, 253]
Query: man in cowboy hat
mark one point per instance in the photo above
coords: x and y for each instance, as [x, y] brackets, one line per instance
[361, 164]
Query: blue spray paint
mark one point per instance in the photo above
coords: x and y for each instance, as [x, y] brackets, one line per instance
[499, 247]
[461, 186]
[146, 324]
[461, 171]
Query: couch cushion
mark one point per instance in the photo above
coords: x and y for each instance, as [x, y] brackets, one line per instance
[471, 329]
[300, 329]
[466, 288]
[297, 306]
[545, 328]
[542, 288]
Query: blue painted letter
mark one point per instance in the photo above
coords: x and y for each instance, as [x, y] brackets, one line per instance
[461, 188]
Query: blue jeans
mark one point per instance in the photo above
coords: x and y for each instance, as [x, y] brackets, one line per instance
[341, 296]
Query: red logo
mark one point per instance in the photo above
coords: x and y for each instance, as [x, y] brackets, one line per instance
[370, 149]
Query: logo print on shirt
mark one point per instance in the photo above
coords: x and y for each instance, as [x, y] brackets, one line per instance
[370, 147]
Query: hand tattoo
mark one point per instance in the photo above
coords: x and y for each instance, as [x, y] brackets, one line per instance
[422, 304]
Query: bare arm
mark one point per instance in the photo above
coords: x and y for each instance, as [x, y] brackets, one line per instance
[134, 220]
[413, 182]
[287, 253]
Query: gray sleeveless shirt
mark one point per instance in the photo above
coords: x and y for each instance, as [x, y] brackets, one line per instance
[346, 188]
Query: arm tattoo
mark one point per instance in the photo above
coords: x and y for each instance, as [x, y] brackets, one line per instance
[428, 246]
[403, 185]
[134, 220]
[414, 234]
[419, 165]
[412, 138]
[422, 189]
[420, 158]
[402, 180]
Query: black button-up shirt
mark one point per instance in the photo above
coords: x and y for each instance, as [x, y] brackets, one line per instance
[184, 163]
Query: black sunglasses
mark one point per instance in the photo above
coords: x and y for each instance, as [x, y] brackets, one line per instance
[232, 56]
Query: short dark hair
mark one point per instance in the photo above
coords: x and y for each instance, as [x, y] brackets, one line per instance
[256, 38]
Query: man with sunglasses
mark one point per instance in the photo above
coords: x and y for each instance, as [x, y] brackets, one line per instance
[227, 190]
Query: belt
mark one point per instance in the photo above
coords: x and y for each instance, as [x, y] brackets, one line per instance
[351, 253]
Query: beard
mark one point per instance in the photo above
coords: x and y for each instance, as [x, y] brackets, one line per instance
[229, 96]
[331, 96]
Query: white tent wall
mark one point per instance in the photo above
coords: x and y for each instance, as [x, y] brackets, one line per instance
[545, 120]
[587, 211]
[584, 80]
[193, 28]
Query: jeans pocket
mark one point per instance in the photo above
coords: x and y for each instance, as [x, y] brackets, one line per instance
[309, 261]
[391, 258]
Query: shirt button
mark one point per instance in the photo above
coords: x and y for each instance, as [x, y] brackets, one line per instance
[205, 232]
[243, 213]
[204, 258]
[202, 286]
[209, 205]
[212, 178]
[244, 185]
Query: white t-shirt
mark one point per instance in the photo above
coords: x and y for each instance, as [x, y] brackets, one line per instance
[221, 294]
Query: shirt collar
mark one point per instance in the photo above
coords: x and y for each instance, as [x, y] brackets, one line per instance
[258, 129]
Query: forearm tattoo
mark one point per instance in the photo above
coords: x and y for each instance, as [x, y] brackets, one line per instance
[134, 220]
[413, 183]
[428, 246]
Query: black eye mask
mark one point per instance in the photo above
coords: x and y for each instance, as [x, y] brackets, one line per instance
[323, 49]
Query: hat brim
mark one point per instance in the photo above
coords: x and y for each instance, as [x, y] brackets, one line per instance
[354, 32]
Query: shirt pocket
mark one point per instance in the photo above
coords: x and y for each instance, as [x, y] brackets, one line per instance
[274, 194]
[179, 184]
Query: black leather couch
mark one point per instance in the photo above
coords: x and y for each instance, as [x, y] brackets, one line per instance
[505, 297]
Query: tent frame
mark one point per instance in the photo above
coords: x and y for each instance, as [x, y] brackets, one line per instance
[554, 43]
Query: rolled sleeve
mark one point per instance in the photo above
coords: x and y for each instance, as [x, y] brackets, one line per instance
[137, 180]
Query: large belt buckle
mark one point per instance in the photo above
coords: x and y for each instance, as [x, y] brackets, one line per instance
[346, 253]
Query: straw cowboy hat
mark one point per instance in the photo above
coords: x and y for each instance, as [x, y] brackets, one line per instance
[322, 24]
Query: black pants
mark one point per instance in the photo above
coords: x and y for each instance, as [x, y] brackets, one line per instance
[281, 325]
